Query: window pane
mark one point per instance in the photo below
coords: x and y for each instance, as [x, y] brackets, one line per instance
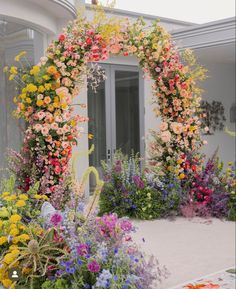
[97, 124]
[127, 111]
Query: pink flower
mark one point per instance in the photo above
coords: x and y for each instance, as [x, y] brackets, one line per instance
[126, 226]
[45, 131]
[165, 136]
[56, 219]
[82, 249]
[61, 37]
[163, 126]
[57, 170]
[94, 267]
[177, 127]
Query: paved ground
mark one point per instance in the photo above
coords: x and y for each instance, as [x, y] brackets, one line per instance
[189, 248]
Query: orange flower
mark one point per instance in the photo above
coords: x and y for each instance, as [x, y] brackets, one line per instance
[52, 69]
[202, 286]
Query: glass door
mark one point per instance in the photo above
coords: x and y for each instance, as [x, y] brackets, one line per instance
[116, 113]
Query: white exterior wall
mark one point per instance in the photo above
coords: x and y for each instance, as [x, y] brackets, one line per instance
[220, 86]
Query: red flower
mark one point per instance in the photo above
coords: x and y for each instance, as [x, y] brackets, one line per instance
[61, 37]
[126, 53]
[88, 40]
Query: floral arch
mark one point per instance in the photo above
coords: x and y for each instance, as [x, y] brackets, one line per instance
[46, 100]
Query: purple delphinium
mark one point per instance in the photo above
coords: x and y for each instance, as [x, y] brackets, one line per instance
[138, 182]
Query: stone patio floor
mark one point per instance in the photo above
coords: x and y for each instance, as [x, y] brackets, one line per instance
[189, 249]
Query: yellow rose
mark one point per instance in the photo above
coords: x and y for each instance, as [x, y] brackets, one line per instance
[35, 70]
[39, 102]
[28, 100]
[31, 87]
[41, 88]
[47, 86]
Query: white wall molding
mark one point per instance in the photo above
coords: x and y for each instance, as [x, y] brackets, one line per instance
[206, 35]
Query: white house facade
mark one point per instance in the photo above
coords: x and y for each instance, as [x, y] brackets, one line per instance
[121, 111]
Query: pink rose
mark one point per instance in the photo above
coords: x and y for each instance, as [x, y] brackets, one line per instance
[177, 127]
[165, 136]
[163, 126]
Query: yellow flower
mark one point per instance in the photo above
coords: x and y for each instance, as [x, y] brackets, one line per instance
[15, 218]
[31, 87]
[13, 70]
[22, 53]
[90, 136]
[9, 258]
[11, 77]
[5, 69]
[47, 86]
[39, 102]
[14, 232]
[4, 194]
[41, 88]
[35, 70]
[3, 240]
[230, 163]
[1, 224]
[44, 197]
[179, 161]
[37, 197]
[46, 77]
[24, 77]
[229, 170]
[13, 247]
[4, 212]
[23, 197]
[9, 198]
[64, 106]
[51, 69]
[20, 203]
[28, 100]
[7, 283]
[181, 176]
[24, 237]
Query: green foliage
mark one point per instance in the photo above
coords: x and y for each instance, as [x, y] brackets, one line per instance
[58, 284]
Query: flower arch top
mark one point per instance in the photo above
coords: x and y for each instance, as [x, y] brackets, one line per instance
[46, 100]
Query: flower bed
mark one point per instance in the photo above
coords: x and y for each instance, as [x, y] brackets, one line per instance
[206, 191]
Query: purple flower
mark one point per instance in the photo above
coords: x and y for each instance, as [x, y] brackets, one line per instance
[93, 266]
[138, 182]
[56, 219]
[126, 225]
[82, 249]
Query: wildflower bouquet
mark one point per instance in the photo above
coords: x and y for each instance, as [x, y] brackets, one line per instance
[65, 249]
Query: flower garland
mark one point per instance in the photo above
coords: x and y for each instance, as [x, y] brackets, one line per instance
[46, 100]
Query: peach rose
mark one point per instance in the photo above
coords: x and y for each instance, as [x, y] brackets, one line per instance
[163, 126]
[165, 136]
